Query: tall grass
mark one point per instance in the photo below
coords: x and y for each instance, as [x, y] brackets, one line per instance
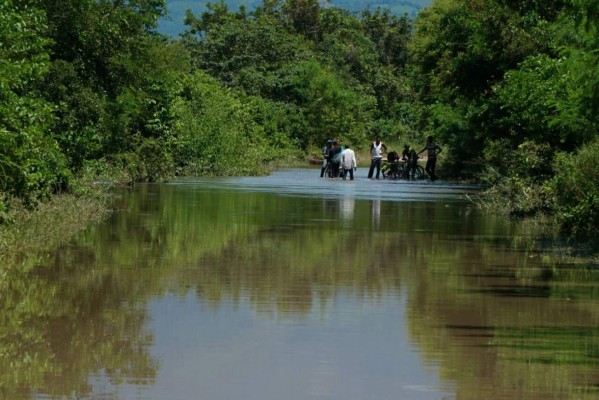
[24, 231]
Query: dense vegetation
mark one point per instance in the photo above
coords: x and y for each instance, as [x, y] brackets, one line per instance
[510, 89]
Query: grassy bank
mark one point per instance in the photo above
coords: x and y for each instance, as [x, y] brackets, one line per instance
[28, 232]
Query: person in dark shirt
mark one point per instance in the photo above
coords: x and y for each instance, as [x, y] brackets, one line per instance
[335, 158]
[325, 154]
[411, 163]
[432, 150]
[405, 154]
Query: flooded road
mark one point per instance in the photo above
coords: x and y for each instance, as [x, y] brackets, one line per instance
[295, 287]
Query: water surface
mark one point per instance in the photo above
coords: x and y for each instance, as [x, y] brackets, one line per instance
[296, 287]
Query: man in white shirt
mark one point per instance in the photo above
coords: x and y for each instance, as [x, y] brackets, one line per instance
[348, 162]
[377, 148]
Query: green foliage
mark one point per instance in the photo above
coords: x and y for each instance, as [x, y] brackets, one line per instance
[89, 86]
[390, 34]
[575, 190]
[283, 123]
[517, 176]
[332, 110]
[215, 133]
[81, 114]
[93, 35]
[83, 81]
[459, 52]
[329, 70]
[506, 85]
[231, 43]
[541, 101]
[303, 16]
[177, 9]
[578, 29]
[346, 45]
[31, 164]
[150, 161]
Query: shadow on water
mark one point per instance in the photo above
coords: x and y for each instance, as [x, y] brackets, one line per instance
[516, 291]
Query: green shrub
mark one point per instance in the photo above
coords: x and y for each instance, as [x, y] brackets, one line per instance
[516, 196]
[156, 159]
[215, 133]
[575, 190]
[517, 176]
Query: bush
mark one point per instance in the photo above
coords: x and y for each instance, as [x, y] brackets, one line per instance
[156, 158]
[575, 190]
[517, 176]
[215, 133]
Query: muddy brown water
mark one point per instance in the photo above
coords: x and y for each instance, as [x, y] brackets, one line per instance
[295, 287]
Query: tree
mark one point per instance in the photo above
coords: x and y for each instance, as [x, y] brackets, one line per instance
[460, 51]
[244, 52]
[31, 163]
[214, 131]
[344, 43]
[332, 109]
[542, 101]
[303, 15]
[110, 78]
[390, 34]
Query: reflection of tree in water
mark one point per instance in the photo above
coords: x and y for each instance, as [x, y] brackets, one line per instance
[68, 322]
[501, 323]
[281, 253]
[83, 315]
[286, 271]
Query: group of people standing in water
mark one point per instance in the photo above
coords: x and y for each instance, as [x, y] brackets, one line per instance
[341, 159]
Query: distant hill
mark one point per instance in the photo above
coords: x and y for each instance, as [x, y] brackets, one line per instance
[173, 24]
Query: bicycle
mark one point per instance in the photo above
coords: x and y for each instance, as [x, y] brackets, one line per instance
[416, 174]
[395, 168]
[329, 172]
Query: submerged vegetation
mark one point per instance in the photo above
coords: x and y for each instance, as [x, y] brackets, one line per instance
[25, 232]
[509, 88]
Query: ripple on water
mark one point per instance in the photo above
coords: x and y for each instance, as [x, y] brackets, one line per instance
[306, 182]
